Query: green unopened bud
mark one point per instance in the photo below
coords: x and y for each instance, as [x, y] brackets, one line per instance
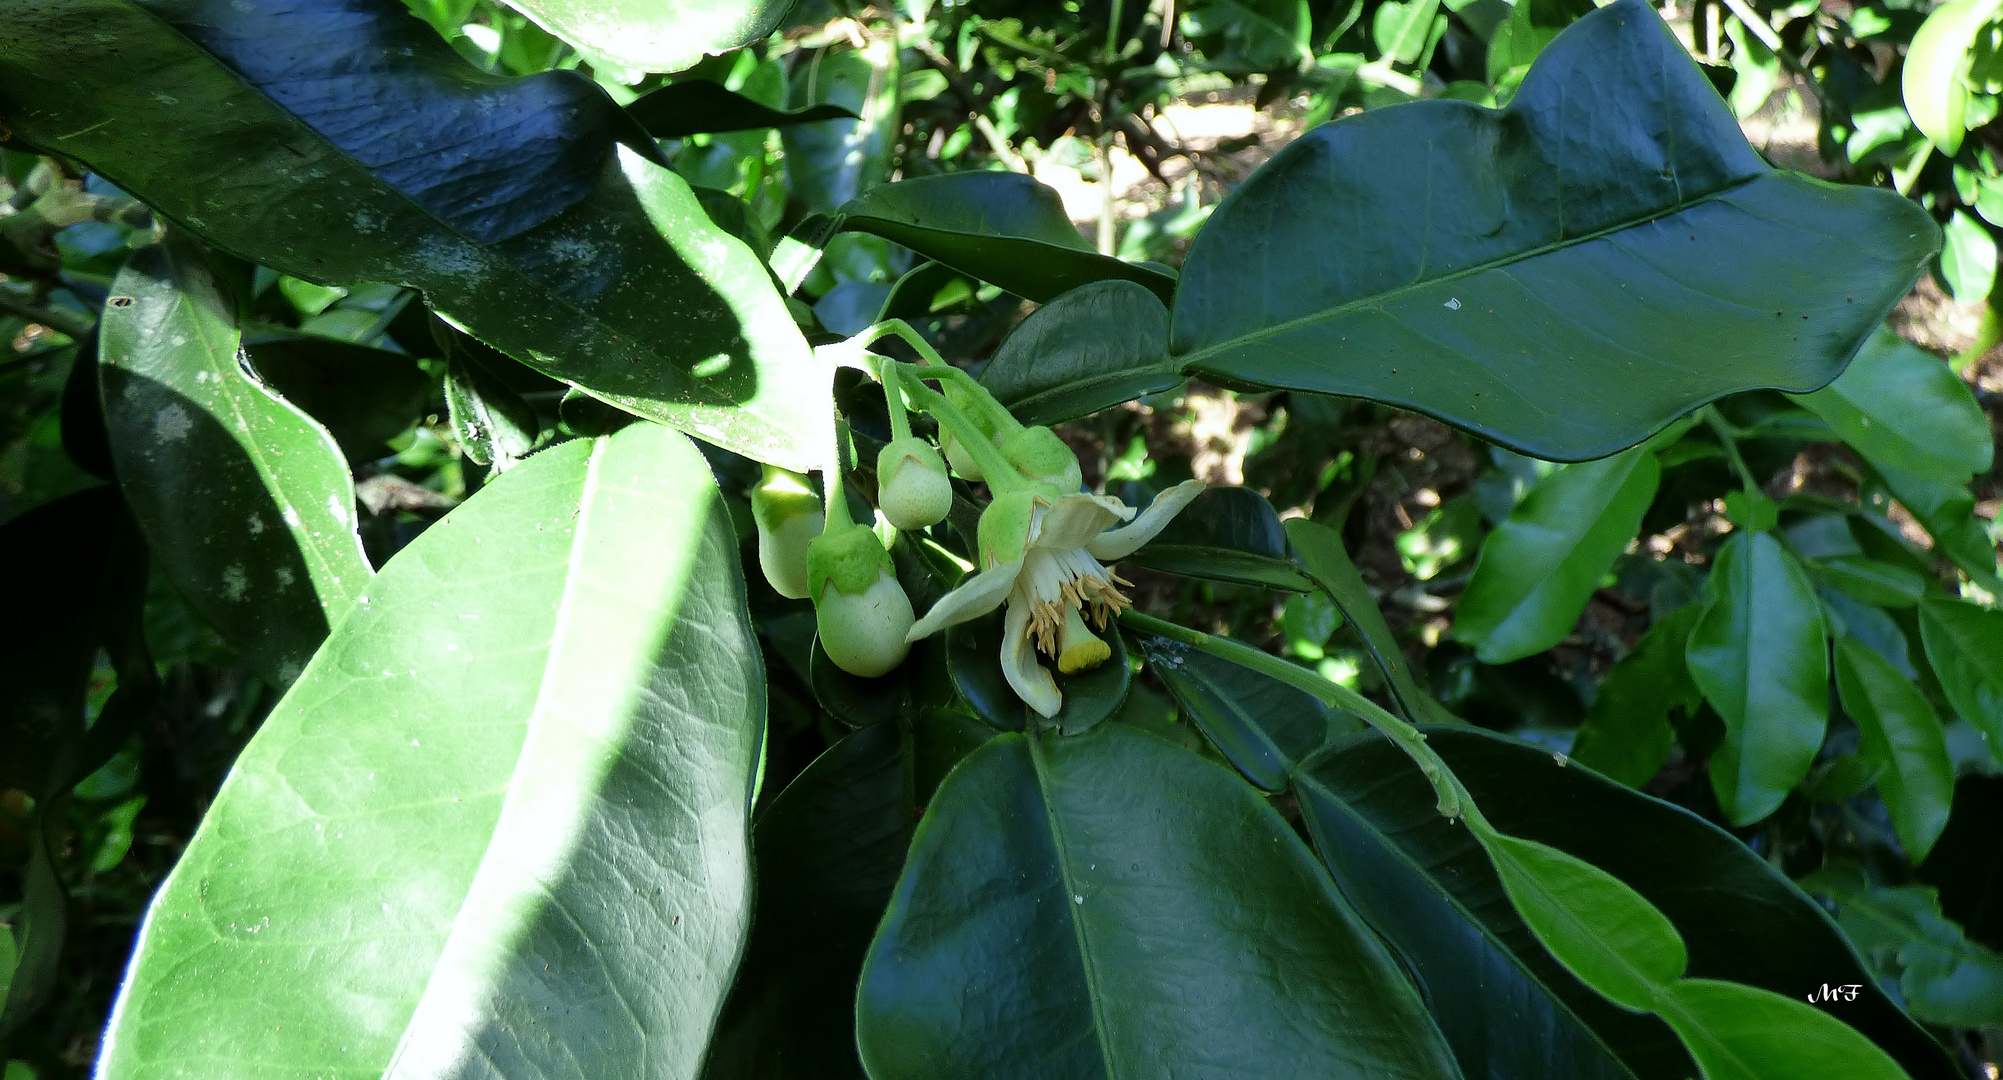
[911, 485]
[1004, 528]
[962, 462]
[1039, 454]
[859, 608]
[788, 516]
[976, 412]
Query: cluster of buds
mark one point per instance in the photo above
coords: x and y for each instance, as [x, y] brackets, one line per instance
[1043, 544]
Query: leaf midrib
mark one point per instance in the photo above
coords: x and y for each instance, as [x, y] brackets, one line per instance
[1189, 360]
[1087, 968]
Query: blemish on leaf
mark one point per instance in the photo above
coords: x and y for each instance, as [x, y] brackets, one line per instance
[172, 424]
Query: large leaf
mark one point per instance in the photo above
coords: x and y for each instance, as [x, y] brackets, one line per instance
[1260, 724]
[1627, 731]
[247, 502]
[1902, 406]
[1901, 732]
[656, 35]
[1540, 567]
[1112, 905]
[1427, 885]
[501, 818]
[1000, 227]
[1093, 347]
[344, 141]
[1760, 654]
[1964, 643]
[1564, 276]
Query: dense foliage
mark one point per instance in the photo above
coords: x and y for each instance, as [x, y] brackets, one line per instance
[573, 540]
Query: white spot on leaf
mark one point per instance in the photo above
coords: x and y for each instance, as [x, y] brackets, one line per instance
[235, 582]
[1453, 303]
[172, 424]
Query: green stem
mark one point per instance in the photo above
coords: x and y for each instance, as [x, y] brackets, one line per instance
[835, 515]
[893, 397]
[1000, 475]
[933, 367]
[1454, 800]
[1002, 420]
[1728, 438]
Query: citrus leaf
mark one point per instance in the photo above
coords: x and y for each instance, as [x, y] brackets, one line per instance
[1564, 276]
[246, 501]
[343, 141]
[502, 816]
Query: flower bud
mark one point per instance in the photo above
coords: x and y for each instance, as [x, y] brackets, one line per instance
[911, 485]
[860, 610]
[976, 412]
[962, 462]
[1039, 454]
[788, 516]
[1004, 528]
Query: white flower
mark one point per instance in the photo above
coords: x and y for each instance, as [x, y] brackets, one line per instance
[1058, 573]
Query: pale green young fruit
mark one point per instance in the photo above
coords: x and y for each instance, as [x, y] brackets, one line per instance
[1039, 454]
[788, 516]
[911, 485]
[860, 610]
[1003, 532]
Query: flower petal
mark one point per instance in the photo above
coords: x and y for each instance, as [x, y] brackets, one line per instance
[1076, 519]
[975, 597]
[1031, 682]
[1120, 543]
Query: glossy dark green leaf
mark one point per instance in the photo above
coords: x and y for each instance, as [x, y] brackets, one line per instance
[1740, 1033]
[1225, 534]
[973, 657]
[681, 109]
[1873, 581]
[1089, 349]
[344, 141]
[1564, 276]
[1900, 405]
[829, 850]
[1945, 978]
[1261, 725]
[1760, 654]
[1964, 643]
[1000, 227]
[830, 163]
[247, 502]
[1902, 731]
[1112, 905]
[1427, 885]
[656, 35]
[1627, 732]
[1327, 563]
[502, 816]
[1538, 569]
[1606, 934]
[364, 397]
